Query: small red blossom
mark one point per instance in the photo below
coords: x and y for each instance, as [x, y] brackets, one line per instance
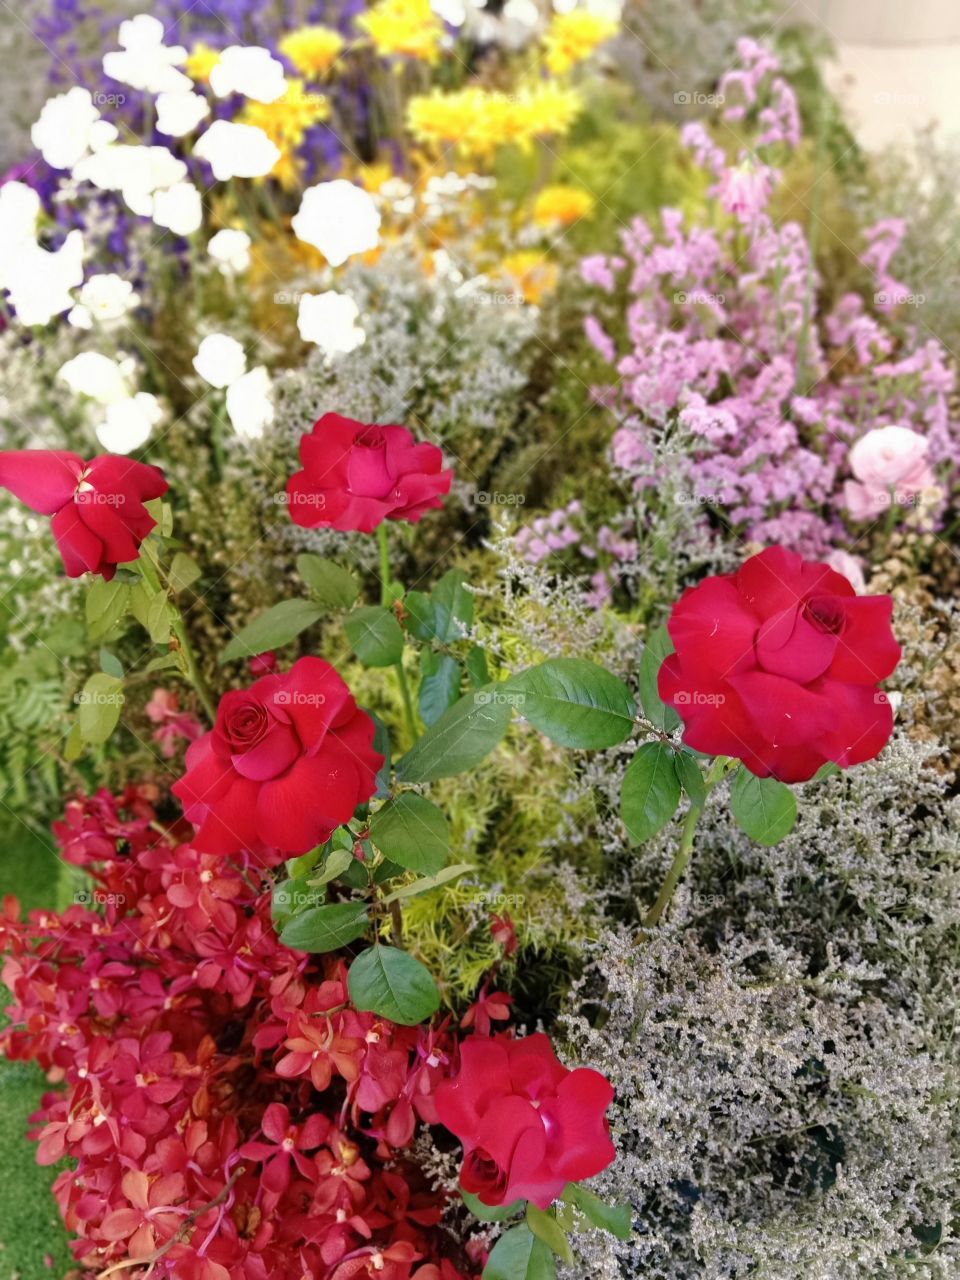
[489, 1007]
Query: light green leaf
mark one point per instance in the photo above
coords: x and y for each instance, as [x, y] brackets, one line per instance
[650, 792]
[329, 584]
[490, 1212]
[765, 808]
[393, 984]
[460, 739]
[158, 618]
[658, 646]
[326, 928]
[100, 703]
[110, 663]
[106, 604]
[375, 636]
[412, 832]
[184, 571]
[546, 1228]
[335, 864]
[272, 629]
[519, 1255]
[427, 883]
[574, 702]
[615, 1218]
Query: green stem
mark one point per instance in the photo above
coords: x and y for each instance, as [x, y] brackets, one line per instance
[194, 674]
[687, 833]
[385, 581]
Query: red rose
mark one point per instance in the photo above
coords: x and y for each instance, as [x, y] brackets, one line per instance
[777, 665]
[99, 519]
[288, 760]
[528, 1125]
[356, 476]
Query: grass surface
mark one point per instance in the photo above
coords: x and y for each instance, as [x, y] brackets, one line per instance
[33, 1243]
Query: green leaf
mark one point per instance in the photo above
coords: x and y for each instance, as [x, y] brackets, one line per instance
[765, 808]
[165, 662]
[419, 619]
[828, 770]
[651, 791]
[335, 864]
[574, 702]
[452, 607]
[106, 604]
[439, 685]
[326, 928]
[381, 744]
[184, 571]
[392, 984]
[546, 1228]
[658, 646]
[477, 668]
[490, 1212]
[158, 618]
[429, 882]
[460, 739]
[615, 1218]
[110, 663]
[690, 778]
[519, 1255]
[100, 702]
[329, 584]
[412, 832]
[272, 629]
[375, 636]
[162, 512]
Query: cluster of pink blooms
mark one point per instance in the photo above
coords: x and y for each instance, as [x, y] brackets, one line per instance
[564, 530]
[773, 400]
[173, 725]
[229, 1114]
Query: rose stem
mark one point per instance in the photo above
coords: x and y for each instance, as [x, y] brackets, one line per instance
[194, 674]
[685, 848]
[385, 600]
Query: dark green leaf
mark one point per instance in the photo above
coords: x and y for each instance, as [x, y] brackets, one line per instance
[452, 607]
[691, 778]
[439, 685]
[651, 791]
[574, 702]
[519, 1255]
[546, 1228]
[412, 832]
[375, 636]
[272, 629]
[615, 1218]
[394, 985]
[325, 928]
[490, 1212]
[110, 663]
[477, 668]
[460, 739]
[329, 584]
[658, 646]
[828, 770]
[421, 621]
[381, 744]
[765, 808]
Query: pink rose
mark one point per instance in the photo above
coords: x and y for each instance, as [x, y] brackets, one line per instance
[890, 465]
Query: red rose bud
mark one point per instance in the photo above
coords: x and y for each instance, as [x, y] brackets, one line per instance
[287, 762]
[528, 1124]
[356, 476]
[778, 664]
[99, 519]
[263, 663]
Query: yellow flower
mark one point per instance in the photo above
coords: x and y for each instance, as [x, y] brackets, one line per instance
[478, 121]
[285, 123]
[200, 62]
[562, 205]
[573, 36]
[408, 27]
[313, 50]
[531, 274]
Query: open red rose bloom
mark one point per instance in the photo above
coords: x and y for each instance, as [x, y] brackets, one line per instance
[99, 519]
[778, 665]
[288, 760]
[356, 476]
[528, 1124]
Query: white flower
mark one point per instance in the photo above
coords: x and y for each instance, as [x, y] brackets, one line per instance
[135, 171]
[252, 71]
[129, 422]
[39, 282]
[69, 127]
[19, 210]
[330, 320]
[97, 376]
[220, 360]
[146, 62]
[179, 208]
[180, 113]
[237, 150]
[231, 250]
[250, 403]
[105, 299]
[339, 219]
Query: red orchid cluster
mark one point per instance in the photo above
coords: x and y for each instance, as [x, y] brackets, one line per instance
[231, 1116]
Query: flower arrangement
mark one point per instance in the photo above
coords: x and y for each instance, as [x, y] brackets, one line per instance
[422, 791]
